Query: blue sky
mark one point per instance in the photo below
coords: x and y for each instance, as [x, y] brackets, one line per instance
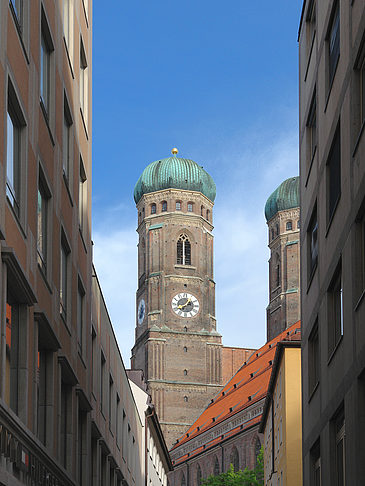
[218, 80]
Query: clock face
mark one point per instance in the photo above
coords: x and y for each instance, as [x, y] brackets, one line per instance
[141, 311]
[185, 305]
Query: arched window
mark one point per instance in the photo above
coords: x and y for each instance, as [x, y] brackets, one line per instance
[183, 482]
[153, 208]
[185, 349]
[143, 213]
[183, 251]
[178, 205]
[198, 475]
[185, 329]
[277, 229]
[208, 215]
[190, 207]
[164, 206]
[257, 449]
[234, 459]
[216, 467]
[186, 399]
[277, 276]
[201, 210]
[185, 372]
[289, 226]
[139, 217]
[272, 233]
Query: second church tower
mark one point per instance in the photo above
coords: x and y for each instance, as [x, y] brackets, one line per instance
[176, 340]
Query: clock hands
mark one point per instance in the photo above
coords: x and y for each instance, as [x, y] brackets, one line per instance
[184, 305]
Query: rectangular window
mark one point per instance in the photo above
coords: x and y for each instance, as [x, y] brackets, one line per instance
[334, 174]
[42, 225]
[17, 9]
[82, 196]
[178, 205]
[190, 207]
[117, 420]
[338, 448]
[312, 130]
[312, 242]
[83, 81]
[12, 353]
[102, 379]
[67, 142]
[80, 317]
[333, 41]
[68, 25]
[110, 402]
[64, 277]
[335, 311]
[14, 152]
[45, 65]
[313, 358]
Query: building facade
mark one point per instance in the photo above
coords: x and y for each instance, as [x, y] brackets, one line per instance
[281, 423]
[282, 215]
[227, 432]
[67, 413]
[332, 179]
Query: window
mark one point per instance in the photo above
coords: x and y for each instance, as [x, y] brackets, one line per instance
[311, 26]
[82, 196]
[185, 372]
[186, 399]
[183, 250]
[68, 25]
[312, 240]
[153, 208]
[81, 446]
[178, 205]
[312, 130]
[83, 81]
[202, 211]
[277, 229]
[42, 224]
[362, 90]
[45, 64]
[66, 424]
[198, 475]
[334, 175]
[190, 207]
[272, 233]
[14, 150]
[258, 448]
[80, 317]
[12, 353]
[67, 142]
[338, 425]
[234, 459]
[185, 349]
[102, 380]
[164, 206]
[208, 215]
[335, 311]
[110, 403]
[117, 422]
[333, 41]
[315, 455]
[298, 224]
[289, 226]
[64, 277]
[277, 275]
[216, 467]
[183, 482]
[313, 358]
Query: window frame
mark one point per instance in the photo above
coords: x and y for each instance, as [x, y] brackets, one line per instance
[333, 175]
[163, 206]
[65, 278]
[190, 207]
[83, 82]
[313, 359]
[67, 143]
[44, 225]
[82, 196]
[333, 39]
[183, 250]
[335, 319]
[312, 245]
[46, 50]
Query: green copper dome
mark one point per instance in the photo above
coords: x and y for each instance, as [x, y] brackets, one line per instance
[174, 173]
[286, 196]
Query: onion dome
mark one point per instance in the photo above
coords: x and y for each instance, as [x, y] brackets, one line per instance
[175, 173]
[286, 196]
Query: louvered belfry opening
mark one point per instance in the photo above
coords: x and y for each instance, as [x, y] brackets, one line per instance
[183, 250]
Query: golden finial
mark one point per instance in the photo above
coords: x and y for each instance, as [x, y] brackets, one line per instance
[174, 151]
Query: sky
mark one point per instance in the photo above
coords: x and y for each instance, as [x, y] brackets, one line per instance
[219, 81]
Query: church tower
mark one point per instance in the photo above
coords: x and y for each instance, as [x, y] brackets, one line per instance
[176, 341]
[282, 215]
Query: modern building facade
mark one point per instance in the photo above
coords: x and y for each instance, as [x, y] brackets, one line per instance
[282, 215]
[281, 423]
[67, 413]
[227, 432]
[332, 184]
[177, 344]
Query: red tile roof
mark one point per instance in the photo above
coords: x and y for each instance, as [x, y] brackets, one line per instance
[248, 385]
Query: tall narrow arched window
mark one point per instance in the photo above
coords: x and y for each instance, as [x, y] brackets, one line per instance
[143, 256]
[183, 250]
[183, 482]
[216, 467]
[198, 475]
[208, 215]
[153, 208]
[201, 210]
[178, 206]
[257, 449]
[272, 233]
[164, 206]
[289, 226]
[234, 459]
[277, 230]
[277, 276]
